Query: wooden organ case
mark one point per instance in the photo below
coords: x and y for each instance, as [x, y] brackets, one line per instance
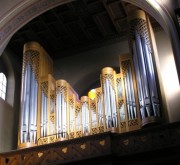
[51, 110]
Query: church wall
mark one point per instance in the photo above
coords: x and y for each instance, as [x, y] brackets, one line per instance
[169, 75]
[6, 126]
[9, 108]
[86, 67]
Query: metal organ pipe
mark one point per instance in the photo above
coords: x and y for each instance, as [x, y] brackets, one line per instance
[27, 104]
[139, 83]
[57, 114]
[109, 97]
[35, 110]
[78, 121]
[85, 114]
[23, 101]
[120, 96]
[113, 106]
[31, 112]
[43, 114]
[71, 113]
[133, 104]
[127, 96]
[151, 79]
[64, 117]
[107, 106]
[100, 110]
[142, 70]
[42, 111]
[61, 109]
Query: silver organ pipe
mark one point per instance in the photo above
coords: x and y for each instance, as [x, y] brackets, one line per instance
[121, 108]
[93, 116]
[71, 117]
[61, 108]
[51, 124]
[142, 70]
[151, 79]
[109, 94]
[33, 108]
[129, 83]
[85, 115]
[35, 111]
[139, 84]
[51, 105]
[58, 114]
[28, 104]
[78, 119]
[23, 89]
[100, 108]
[71, 112]
[23, 100]
[93, 111]
[94, 122]
[45, 116]
[43, 113]
[129, 100]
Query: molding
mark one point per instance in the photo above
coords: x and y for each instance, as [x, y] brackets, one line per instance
[24, 15]
[147, 143]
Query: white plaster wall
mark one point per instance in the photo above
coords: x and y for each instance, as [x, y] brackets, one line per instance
[9, 108]
[84, 69]
[169, 75]
[6, 126]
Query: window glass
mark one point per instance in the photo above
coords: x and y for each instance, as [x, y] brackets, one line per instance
[3, 86]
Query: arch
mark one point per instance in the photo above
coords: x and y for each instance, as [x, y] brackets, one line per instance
[21, 14]
[25, 12]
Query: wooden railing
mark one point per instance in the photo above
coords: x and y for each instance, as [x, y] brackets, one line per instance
[149, 139]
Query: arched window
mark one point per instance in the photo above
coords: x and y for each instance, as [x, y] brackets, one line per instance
[3, 85]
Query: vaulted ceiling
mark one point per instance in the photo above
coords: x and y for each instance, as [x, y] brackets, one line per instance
[75, 27]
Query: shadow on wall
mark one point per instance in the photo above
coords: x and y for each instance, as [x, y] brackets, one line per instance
[90, 81]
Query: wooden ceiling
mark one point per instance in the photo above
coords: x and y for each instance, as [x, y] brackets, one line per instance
[75, 27]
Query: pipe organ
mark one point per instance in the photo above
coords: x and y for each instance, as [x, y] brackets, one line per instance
[51, 110]
[128, 100]
[142, 53]
[36, 64]
[109, 97]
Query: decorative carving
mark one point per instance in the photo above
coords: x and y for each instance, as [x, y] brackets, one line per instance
[103, 144]
[83, 146]
[64, 150]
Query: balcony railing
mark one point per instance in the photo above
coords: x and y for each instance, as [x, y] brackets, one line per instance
[148, 140]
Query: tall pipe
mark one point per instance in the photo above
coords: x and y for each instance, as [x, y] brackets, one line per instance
[27, 104]
[23, 101]
[152, 81]
[139, 83]
[143, 74]
[35, 110]
[31, 108]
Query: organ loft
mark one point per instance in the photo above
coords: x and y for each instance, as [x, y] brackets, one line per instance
[51, 110]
